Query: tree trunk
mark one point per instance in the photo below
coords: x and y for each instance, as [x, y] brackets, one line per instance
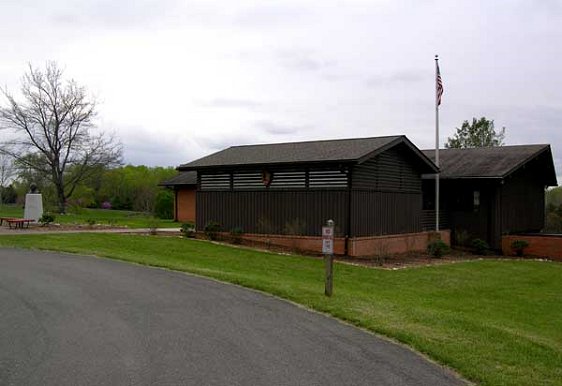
[61, 198]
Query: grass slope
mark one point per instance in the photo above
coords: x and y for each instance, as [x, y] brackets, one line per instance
[112, 217]
[496, 322]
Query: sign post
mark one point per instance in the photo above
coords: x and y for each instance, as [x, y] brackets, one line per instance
[328, 251]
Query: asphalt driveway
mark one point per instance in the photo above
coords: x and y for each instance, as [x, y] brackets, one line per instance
[76, 320]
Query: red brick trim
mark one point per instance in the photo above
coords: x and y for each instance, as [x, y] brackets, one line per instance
[547, 246]
[358, 246]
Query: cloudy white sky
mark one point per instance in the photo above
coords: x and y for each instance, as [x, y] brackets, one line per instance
[177, 80]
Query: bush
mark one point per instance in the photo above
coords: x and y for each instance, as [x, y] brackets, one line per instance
[519, 246]
[212, 230]
[480, 247]
[152, 225]
[188, 229]
[236, 235]
[164, 204]
[46, 219]
[461, 237]
[437, 248]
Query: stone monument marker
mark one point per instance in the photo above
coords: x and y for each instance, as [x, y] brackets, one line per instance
[33, 204]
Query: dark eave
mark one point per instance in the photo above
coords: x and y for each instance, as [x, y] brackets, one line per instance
[182, 179]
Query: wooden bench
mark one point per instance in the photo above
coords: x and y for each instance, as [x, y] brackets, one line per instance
[18, 222]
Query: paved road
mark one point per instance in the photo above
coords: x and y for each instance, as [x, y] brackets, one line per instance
[73, 320]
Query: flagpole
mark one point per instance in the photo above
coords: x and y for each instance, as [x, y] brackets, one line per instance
[436, 144]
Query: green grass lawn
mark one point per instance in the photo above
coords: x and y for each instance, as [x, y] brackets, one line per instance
[496, 322]
[100, 216]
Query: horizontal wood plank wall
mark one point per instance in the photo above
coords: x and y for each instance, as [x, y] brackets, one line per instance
[392, 170]
[292, 212]
[428, 219]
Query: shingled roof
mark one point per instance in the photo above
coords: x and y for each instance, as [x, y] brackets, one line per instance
[492, 162]
[184, 178]
[354, 150]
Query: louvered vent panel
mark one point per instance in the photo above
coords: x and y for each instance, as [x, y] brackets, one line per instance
[215, 181]
[288, 180]
[327, 179]
[248, 181]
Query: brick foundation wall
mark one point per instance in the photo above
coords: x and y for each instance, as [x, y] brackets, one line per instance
[539, 246]
[302, 243]
[401, 243]
[359, 246]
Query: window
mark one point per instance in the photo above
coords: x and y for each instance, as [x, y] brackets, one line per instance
[476, 199]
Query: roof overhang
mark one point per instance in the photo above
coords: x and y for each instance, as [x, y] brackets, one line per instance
[260, 166]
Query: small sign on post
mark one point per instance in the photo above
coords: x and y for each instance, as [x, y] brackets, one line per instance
[328, 251]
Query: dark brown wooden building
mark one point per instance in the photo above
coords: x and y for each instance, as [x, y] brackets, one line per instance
[489, 192]
[368, 186]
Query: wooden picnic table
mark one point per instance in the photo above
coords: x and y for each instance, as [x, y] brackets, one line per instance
[2, 219]
[16, 222]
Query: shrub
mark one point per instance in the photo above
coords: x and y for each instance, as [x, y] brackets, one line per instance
[188, 229]
[519, 246]
[73, 208]
[46, 219]
[212, 230]
[236, 235]
[437, 248]
[106, 205]
[152, 225]
[164, 204]
[461, 237]
[480, 247]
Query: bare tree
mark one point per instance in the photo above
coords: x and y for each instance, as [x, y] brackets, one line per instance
[54, 130]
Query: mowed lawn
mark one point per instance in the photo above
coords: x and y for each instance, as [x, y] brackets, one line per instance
[107, 217]
[496, 322]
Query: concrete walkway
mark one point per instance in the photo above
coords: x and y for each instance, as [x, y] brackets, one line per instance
[36, 229]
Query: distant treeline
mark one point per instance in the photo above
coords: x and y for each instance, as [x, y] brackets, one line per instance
[554, 210]
[128, 188]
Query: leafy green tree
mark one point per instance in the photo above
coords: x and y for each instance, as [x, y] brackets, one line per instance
[553, 201]
[164, 204]
[479, 133]
[132, 187]
[7, 171]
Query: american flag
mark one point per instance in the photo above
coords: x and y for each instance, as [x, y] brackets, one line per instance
[439, 86]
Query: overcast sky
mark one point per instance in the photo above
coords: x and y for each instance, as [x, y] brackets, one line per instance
[177, 80]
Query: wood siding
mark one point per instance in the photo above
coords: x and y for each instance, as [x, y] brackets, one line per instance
[393, 170]
[291, 212]
[522, 203]
[376, 213]
[386, 195]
